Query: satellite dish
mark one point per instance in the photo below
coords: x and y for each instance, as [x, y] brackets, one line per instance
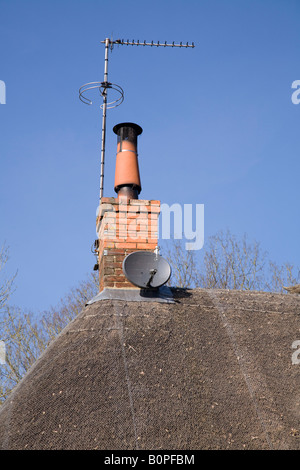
[146, 269]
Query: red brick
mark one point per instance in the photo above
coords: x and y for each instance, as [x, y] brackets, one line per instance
[122, 226]
[154, 216]
[108, 244]
[122, 207]
[116, 251]
[123, 285]
[125, 245]
[143, 246]
[133, 215]
[132, 224]
[119, 272]
[116, 264]
[144, 209]
[125, 226]
[142, 221]
[153, 209]
[112, 278]
[137, 239]
[136, 202]
[122, 199]
[110, 200]
[121, 215]
[108, 270]
[119, 258]
[138, 233]
[120, 239]
[108, 283]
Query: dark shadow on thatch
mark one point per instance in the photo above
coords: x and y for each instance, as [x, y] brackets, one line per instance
[181, 293]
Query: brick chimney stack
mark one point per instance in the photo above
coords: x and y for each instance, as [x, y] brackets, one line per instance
[125, 224]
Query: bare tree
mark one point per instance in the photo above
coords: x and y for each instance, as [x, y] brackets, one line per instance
[184, 264]
[6, 289]
[230, 263]
[54, 320]
[27, 335]
[227, 262]
[6, 285]
[23, 345]
[280, 276]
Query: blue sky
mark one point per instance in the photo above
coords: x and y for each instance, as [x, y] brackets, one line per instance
[220, 128]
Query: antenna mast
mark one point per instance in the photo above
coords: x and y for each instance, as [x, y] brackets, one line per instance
[103, 86]
[104, 106]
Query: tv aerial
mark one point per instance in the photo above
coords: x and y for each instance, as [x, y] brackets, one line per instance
[146, 269]
[105, 86]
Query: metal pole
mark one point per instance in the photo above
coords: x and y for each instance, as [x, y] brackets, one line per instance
[104, 94]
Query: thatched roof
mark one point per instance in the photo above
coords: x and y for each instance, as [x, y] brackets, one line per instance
[212, 371]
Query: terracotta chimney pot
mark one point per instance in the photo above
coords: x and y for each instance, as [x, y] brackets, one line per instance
[127, 175]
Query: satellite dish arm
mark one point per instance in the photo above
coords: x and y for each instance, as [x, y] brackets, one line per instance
[152, 274]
